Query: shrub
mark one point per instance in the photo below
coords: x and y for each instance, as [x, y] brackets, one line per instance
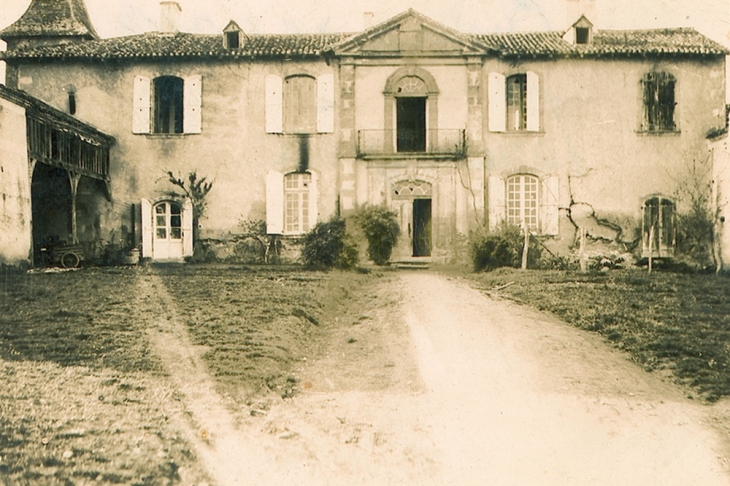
[327, 245]
[381, 229]
[500, 248]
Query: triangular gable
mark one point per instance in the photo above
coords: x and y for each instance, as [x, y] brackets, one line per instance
[408, 32]
[232, 27]
[582, 23]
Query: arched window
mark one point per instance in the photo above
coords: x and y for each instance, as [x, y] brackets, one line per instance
[410, 97]
[300, 104]
[659, 102]
[168, 104]
[522, 201]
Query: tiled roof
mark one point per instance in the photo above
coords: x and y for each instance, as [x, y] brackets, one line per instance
[678, 41]
[52, 18]
[36, 107]
[181, 45]
[673, 42]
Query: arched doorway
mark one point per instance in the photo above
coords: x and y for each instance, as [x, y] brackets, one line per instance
[51, 201]
[412, 201]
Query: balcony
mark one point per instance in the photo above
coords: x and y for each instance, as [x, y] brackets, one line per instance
[433, 144]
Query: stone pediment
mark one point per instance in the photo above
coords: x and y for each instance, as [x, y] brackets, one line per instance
[409, 33]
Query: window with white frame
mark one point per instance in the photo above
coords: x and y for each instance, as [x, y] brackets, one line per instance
[296, 202]
[291, 202]
[522, 201]
[514, 102]
[167, 105]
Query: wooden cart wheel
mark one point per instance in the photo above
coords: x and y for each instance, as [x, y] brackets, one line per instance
[70, 260]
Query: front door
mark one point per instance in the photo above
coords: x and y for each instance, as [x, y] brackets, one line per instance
[168, 240]
[421, 227]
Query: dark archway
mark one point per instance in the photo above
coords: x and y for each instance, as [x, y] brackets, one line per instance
[51, 201]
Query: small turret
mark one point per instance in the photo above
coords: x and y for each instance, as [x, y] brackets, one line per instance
[50, 22]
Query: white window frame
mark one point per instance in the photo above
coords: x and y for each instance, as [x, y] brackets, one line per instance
[523, 190]
[497, 106]
[282, 200]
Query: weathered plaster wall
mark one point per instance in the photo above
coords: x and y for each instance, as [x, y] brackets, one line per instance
[232, 149]
[15, 208]
[720, 151]
[590, 136]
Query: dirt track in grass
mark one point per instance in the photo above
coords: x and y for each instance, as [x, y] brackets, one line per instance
[423, 380]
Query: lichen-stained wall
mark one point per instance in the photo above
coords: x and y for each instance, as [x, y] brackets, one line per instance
[233, 149]
[590, 132]
[15, 206]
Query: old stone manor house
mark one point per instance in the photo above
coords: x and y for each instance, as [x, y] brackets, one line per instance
[453, 131]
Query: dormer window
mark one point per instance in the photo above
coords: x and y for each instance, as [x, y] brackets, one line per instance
[232, 36]
[581, 35]
[233, 40]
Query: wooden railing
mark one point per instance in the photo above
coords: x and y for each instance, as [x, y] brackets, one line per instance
[63, 148]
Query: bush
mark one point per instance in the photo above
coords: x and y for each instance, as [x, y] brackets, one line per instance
[327, 245]
[381, 229]
[500, 248]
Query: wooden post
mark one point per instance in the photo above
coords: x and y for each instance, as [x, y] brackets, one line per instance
[74, 181]
[582, 250]
[651, 246]
[526, 247]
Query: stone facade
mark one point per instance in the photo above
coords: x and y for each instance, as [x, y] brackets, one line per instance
[452, 131]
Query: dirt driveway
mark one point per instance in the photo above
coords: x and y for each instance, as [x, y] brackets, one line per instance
[438, 384]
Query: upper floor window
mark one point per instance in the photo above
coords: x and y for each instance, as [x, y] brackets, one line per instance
[522, 201]
[233, 40]
[300, 104]
[514, 102]
[410, 101]
[167, 104]
[517, 102]
[659, 102]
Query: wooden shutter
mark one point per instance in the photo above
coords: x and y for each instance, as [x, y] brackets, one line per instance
[187, 227]
[549, 208]
[497, 103]
[146, 228]
[141, 105]
[274, 104]
[326, 103]
[533, 102]
[274, 203]
[496, 207]
[191, 104]
[313, 200]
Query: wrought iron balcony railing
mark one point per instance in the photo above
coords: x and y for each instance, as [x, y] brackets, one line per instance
[433, 143]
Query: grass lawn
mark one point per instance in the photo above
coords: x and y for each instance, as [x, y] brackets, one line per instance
[84, 400]
[666, 321]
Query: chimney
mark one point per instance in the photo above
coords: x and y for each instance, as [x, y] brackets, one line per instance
[169, 17]
[367, 20]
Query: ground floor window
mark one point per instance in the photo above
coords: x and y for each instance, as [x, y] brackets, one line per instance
[658, 235]
[296, 205]
[522, 197]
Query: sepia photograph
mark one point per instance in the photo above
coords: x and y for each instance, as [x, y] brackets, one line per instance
[378, 243]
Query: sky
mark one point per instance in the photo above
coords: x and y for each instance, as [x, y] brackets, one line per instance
[114, 18]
